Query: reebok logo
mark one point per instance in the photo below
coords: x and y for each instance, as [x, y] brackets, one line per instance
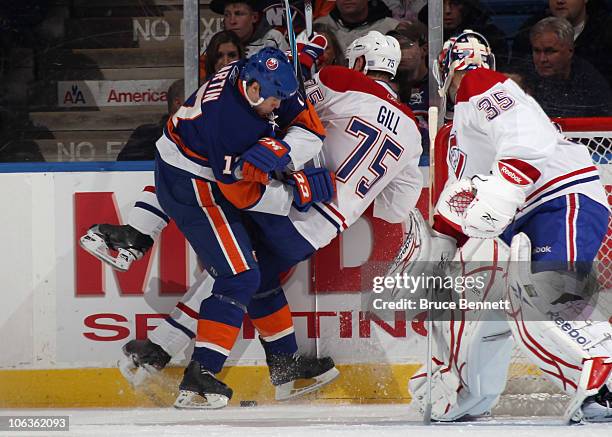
[518, 172]
[572, 331]
[489, 219]
[511, 175]
[543, 249]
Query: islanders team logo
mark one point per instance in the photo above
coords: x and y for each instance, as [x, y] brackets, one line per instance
[272, 64]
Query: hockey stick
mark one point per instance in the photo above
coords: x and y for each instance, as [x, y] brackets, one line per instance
[433, 130]
[293, 43]
[309, 31]
[427, 409]
[432, 126]
[308, 16]
[317, 160]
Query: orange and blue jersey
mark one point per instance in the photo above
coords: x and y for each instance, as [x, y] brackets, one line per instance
[216, 124]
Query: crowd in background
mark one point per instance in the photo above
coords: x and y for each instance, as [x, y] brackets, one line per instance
[560, 55]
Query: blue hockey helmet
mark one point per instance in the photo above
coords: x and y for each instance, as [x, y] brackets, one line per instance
[467, 51]
[273, 71]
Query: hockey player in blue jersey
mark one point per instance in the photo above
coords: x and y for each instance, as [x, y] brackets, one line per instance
[213, 162]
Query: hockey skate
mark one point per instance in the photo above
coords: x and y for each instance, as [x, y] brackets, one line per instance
[290, 374]
[592, 401]
[129, 243]
[142, 359]
[598, 408]
[200, 389]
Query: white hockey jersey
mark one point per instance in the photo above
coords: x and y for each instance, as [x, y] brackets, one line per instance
[499, 129]
[373, 145]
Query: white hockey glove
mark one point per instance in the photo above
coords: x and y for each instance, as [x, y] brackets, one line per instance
[493, 208]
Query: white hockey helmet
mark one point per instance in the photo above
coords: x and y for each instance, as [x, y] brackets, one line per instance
[467, 51]
[381, 52]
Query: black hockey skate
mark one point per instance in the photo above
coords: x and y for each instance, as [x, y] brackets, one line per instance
[200, 389]
[126, 240]
[286, 370]
[142, 359]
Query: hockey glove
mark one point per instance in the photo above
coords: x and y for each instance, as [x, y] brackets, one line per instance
[312, 50]
[268, 154]
[311, 185]
[493, 208]
[245, 171]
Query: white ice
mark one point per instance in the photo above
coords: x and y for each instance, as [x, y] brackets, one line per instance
[297, 420]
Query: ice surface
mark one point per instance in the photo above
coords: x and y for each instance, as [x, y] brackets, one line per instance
[299, 420]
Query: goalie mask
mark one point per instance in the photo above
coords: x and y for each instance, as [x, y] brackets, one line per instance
[381, 52]
[467, 51]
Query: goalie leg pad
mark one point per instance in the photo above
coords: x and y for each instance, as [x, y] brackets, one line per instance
[570, 341]
[473, 346]
[424, 252]
[474, 372]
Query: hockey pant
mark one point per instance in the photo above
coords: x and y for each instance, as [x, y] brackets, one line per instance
[217, 233]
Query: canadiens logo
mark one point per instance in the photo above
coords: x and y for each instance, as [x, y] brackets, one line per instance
[456, 157]
[272, 64]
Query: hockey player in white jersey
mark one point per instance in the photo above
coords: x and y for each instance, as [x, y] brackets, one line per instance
[373, 146]
[541, 194]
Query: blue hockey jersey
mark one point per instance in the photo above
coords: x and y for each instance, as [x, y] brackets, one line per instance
[216, 124]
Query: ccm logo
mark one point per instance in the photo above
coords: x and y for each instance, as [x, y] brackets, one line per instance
[511, 175]
[271, 144]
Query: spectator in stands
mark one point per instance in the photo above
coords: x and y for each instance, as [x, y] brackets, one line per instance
[141, 144]
[322, 8]
[223, 48]
[333, 54]
[459, 15]
[351, 19]
[405, 10]
[592, 32]
[413, 73]
[13, 146]
[245, 19]
[565, 85]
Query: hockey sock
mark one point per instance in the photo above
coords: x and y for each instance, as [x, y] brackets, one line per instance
[271, 316]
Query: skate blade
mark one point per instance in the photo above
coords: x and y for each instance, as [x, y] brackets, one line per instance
[287, 391]
[189, 400]
[135, 375]
[95, 245]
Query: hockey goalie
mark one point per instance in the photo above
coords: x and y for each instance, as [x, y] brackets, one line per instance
[521, 194]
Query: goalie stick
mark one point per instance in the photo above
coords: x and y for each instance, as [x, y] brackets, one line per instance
[432, 115]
